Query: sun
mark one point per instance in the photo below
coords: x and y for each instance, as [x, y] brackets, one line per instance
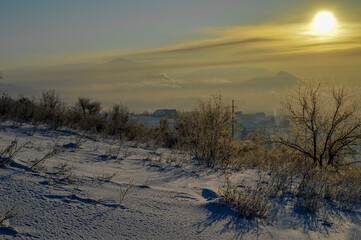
[324, 23]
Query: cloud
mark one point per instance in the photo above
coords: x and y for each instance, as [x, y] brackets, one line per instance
[206, 44]
[240, 45]
[166, 81]
[171, 71]
[216, 44]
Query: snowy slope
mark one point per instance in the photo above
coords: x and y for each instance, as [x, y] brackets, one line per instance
[170, 195]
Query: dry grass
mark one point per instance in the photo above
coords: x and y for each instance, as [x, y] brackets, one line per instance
[123, 191]
[9, 152]
[37, 162]
[249, 202]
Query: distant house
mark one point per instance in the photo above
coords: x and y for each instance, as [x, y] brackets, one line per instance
[168, 113]
[260, 116]
[254, 117]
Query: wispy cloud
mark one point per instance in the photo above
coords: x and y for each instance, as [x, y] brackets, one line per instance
[240, 45]
[151, 73]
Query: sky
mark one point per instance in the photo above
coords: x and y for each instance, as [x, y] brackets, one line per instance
[167, 54]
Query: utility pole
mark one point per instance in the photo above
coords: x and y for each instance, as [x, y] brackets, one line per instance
[232, 118]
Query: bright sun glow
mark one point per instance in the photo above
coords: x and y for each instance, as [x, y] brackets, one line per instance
[323, 23]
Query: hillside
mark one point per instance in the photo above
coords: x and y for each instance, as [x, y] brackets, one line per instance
[77, 194]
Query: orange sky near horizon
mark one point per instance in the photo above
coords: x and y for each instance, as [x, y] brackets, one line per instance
[189, 67]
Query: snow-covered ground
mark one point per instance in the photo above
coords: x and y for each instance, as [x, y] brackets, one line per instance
[170, 196]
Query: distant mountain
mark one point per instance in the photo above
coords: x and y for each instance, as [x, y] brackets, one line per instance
[281, 80]
[233, 74]
[121, 60]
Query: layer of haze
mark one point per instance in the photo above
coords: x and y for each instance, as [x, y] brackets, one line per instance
[167, 54]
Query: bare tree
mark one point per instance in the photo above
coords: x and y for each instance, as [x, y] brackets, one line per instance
[324, 128]
[88, 107]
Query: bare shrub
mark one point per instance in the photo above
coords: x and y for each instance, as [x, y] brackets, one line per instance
[88, 107]
[119, 120]
[6, 105]
[121, 124]
[155, 159]
[174, 160]
[49, 110]
[24, 109]
[206, 132]
[345, 187]
[50, 100]
[63, 171]
[112, 152]
[87, 115]
[310, 191]
[106, 177]
[74, 117]
[280, 184]
[137, 133]
[249, 202]
[250, 154]
[164, 135]
[321, 184]
[314, 188]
